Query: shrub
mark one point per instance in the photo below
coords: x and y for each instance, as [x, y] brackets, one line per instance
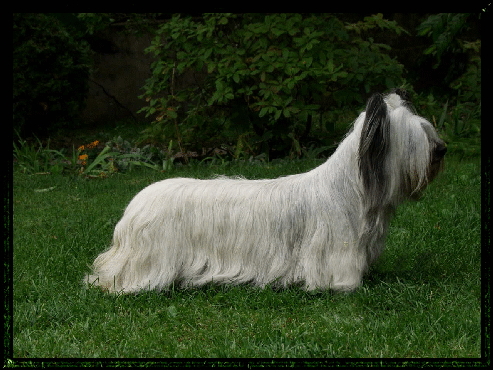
[448, 52]
[460, 118]
[257, 79]
[50, 71]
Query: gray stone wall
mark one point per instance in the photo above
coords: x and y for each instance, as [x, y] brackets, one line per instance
[120, 70]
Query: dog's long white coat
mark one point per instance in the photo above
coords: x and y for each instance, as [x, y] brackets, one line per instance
[316, 228]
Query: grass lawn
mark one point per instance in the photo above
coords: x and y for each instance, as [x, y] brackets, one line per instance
[421, 299]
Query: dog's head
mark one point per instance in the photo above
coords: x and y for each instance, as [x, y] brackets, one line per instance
[399, 152]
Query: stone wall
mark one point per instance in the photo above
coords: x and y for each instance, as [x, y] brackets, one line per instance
[120, 70]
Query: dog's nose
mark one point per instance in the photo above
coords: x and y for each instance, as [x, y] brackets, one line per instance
[440, 150]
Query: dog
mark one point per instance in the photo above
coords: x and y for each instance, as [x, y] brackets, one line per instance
[321, 229]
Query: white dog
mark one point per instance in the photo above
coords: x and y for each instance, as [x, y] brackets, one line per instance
[322, 228]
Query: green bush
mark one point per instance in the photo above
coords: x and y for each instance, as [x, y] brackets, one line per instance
[444, 29]
[460, 116]
[50, 71]
[257, 80]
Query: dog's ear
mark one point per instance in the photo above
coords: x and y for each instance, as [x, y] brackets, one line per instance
[374, 147]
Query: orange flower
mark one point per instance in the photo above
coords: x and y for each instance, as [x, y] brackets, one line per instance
[93, 144]
[83, 158]
[81, 148]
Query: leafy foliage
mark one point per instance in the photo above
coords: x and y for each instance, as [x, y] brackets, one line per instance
[443, 28]
[259, 79]
[460, 121]
[93, 160]
[447, 54]
[50, 70]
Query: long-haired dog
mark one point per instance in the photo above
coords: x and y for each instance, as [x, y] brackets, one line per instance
[322, 228]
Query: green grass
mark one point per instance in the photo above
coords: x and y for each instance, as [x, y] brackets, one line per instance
[421, 299]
